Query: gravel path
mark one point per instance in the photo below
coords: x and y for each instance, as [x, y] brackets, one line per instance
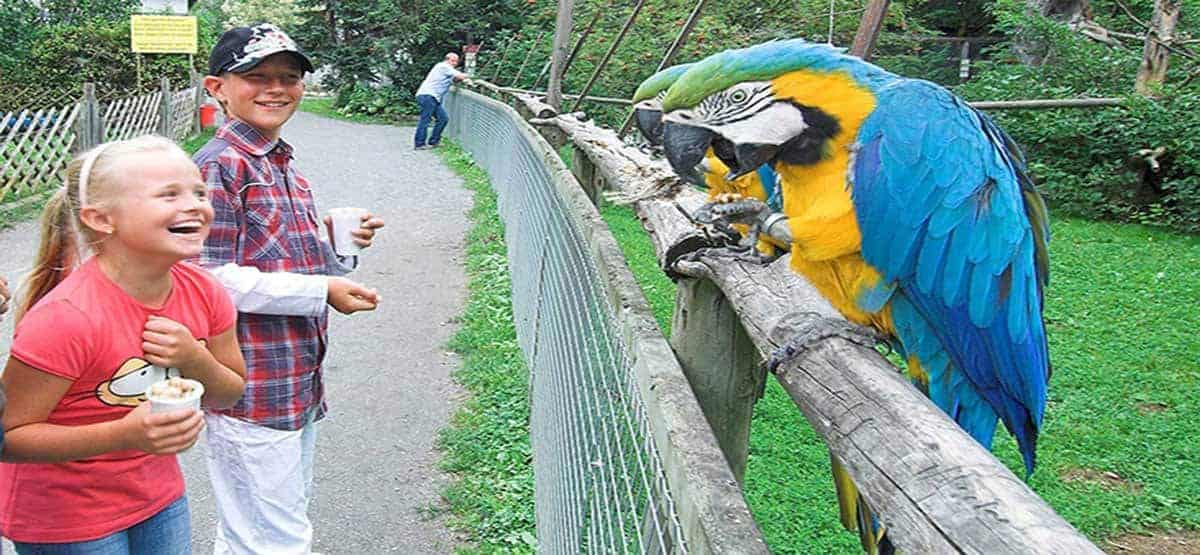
[387, 371]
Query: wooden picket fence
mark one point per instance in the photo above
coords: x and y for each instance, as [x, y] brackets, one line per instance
[36, 143]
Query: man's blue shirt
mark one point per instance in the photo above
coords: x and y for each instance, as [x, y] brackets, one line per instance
[438, 81]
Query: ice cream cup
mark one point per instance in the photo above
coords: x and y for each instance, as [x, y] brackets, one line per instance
[346, 220]
[158, 403]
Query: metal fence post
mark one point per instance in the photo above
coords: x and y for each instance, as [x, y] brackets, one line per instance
[89, 125]
[721, 364]
[165, 116]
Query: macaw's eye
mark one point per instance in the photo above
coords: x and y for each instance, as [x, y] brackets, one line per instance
[738, 96]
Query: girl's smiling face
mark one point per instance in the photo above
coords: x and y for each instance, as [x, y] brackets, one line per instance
[162, 208]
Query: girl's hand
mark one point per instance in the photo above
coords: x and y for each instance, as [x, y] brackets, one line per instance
[169, 344]
[162, 433]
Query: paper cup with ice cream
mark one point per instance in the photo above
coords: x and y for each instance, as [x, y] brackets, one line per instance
[175, 394]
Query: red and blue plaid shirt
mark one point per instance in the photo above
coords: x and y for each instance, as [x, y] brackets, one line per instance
[265, 217]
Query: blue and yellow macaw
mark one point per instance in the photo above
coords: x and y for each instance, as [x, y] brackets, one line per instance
[909, 210]
[761, 184]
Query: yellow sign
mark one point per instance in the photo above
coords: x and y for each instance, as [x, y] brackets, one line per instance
[163, 34]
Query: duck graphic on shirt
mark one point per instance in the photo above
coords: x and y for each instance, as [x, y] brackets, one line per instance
[127, 386]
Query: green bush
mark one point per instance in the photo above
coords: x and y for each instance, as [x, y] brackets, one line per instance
[389, 103]
[69, 49]
[1087, 161]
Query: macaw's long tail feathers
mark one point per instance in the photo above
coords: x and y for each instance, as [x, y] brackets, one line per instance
[847, 494]
[856, 515]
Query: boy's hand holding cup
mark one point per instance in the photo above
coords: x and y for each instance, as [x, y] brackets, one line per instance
[351, 229]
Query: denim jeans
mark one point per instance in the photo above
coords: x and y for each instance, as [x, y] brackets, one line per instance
[169, 532]
[430, 108]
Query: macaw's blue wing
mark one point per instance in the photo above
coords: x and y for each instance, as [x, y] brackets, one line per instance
[948, 215]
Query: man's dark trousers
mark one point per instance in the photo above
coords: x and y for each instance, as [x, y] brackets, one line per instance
[430, 108]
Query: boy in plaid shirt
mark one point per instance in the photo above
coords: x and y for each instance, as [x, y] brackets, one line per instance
[266, 248]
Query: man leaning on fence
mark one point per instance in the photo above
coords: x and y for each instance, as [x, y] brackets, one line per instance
[429, 98]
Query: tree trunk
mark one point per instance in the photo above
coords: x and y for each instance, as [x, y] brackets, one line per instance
[1156, 56]
[562, 35]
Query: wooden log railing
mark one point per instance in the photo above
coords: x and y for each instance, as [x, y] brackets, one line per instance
[934, 487]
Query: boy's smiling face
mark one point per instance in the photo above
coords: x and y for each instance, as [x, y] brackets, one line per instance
[264, 96]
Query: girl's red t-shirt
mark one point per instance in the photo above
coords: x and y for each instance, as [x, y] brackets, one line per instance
[88, 330]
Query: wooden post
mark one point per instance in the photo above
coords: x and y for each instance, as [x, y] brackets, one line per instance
[670, 55]
[562, 33]
[611, 49]
[1156, 55]
[585, 173]
[721, 363]
[165, 116]
[89, 125]
[868, 28]
[198, 100]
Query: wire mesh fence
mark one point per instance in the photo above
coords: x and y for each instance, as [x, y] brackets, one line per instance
[599, 480]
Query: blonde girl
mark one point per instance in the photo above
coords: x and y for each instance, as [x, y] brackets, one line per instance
[110, 308]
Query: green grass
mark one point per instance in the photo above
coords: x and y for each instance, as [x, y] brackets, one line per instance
[323, 106]
[1121, 312]
[487, 445]
[191, 145]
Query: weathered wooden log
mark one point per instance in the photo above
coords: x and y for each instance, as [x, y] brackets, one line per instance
[535, 107]
[935, 488]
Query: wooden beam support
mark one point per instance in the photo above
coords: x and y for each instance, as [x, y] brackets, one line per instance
[669, 57]
[868, 28]
[608, 55]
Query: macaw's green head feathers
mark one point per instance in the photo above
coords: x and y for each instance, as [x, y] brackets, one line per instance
[762, 62]
[659, 82]
[781, 100]
[647, 102]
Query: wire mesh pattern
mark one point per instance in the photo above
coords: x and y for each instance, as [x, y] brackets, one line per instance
[599, 481]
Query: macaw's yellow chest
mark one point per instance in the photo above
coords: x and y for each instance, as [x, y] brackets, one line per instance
[826, 241]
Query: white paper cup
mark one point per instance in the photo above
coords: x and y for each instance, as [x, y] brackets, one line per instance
[345, 220]
[192, 401]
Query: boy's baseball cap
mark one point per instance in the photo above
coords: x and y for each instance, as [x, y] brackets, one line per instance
[242, 48]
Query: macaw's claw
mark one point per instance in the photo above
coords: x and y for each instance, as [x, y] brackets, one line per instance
[802, 331]
[732, 211]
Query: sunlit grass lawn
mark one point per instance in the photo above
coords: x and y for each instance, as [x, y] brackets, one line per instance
[1122, 312]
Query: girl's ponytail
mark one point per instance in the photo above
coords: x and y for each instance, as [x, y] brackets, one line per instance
[58, 252]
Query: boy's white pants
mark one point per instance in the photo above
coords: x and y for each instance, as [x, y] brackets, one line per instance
[262, 482]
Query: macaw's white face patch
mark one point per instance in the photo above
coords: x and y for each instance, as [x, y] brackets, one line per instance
[745, 113]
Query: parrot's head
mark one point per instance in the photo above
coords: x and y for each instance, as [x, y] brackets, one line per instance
[781, 101]
[647, 102]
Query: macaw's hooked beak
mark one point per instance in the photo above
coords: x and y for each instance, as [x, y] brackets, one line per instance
[649, 122]
[685, 146]
[742, 158]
